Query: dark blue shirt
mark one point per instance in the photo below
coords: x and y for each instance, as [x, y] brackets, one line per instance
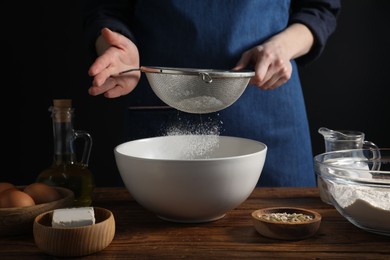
[213, 34]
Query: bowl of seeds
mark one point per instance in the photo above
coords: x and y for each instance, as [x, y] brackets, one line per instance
[286, 223]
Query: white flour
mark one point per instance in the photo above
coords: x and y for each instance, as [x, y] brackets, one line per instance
[369, 207]
[201, 103]
[200, 139]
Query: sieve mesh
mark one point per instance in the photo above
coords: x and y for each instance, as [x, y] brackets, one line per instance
[197, 91]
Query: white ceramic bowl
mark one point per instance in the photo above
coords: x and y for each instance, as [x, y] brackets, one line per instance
[190, 178]
[358, 185]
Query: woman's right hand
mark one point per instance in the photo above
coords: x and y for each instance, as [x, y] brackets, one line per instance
[117, 53]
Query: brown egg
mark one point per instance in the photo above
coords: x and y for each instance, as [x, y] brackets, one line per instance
[5, 186]
[12, 198]
[42, 193]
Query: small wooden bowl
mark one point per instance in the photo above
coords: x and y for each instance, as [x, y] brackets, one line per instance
[18, 221]
[74, 241]
[286, 230]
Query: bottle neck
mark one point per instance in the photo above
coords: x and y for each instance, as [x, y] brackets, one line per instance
[63, 134]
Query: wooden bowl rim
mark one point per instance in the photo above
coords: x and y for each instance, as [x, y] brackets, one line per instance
[316, 216]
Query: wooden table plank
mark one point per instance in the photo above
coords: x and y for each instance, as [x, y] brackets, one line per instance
[142, 235]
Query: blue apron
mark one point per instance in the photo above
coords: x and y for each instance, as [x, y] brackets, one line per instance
[213, 35]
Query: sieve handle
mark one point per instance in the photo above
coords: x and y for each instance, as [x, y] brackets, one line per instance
[205, 76]
[129, 70]
[142, 69]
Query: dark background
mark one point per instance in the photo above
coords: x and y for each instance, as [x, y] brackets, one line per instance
[347, 88]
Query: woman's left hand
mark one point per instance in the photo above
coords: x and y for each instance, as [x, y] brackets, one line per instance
[272, 66]
[272, 59]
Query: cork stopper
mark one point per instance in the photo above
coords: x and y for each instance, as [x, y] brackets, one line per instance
[62, 103]
[62, 110]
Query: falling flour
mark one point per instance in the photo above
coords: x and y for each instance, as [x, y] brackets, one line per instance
[369, 207]
[198, 140]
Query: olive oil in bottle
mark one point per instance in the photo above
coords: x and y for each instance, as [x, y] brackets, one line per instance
[66, 171]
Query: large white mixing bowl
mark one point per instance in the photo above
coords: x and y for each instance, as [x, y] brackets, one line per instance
[190, 178]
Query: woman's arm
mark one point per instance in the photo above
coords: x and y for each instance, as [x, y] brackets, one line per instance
[99, 14]
[320, 17]
[310, 25]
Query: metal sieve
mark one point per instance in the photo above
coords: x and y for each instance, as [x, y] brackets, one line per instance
[196, 91]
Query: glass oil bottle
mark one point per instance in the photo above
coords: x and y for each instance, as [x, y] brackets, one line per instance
[66, 171]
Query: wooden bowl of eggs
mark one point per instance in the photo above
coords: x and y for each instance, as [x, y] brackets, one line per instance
[19, 205]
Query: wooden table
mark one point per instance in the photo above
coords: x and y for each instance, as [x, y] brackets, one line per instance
[142, 235]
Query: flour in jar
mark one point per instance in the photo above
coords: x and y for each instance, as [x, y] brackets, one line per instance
[369, 207]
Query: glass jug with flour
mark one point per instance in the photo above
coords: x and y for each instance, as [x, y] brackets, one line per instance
[341, 140]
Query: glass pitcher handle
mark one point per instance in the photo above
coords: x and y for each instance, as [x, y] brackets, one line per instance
[375, 154]
[87, 145]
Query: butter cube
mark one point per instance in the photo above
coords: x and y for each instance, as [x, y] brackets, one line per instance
[73, 217]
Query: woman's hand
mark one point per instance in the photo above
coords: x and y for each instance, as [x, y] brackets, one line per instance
[272, 66]
[272, 59]
[117, 53]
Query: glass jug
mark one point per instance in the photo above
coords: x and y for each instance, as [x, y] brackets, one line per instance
[341, 140]
[66, 171]
[344, 140]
